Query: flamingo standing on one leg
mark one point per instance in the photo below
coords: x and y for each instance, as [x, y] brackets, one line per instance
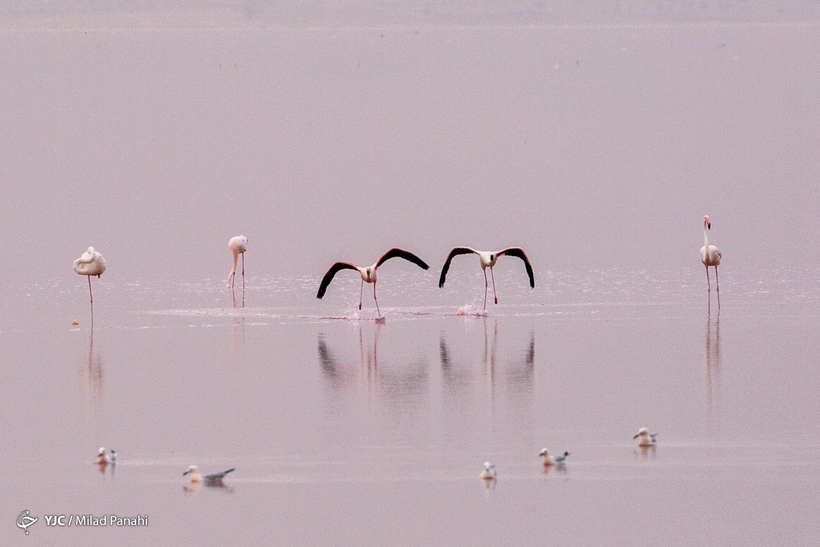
[90, 263]
[369, 274]
[710, 256]
[488, 260]
[238, 245]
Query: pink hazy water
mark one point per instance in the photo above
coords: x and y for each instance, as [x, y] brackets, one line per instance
[597, 148]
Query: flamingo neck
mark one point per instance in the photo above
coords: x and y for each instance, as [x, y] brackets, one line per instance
[706, 237]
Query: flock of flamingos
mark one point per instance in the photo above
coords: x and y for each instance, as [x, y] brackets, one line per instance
[92, 263]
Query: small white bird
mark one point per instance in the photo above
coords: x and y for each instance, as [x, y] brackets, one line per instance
[644, 437]
[369, 274]
[488, 473]
[102, 457]
[710, 256]
[214, 479]
[488, 260]
[90, 263]
[113, 456]
[238, 245]
[549, 460]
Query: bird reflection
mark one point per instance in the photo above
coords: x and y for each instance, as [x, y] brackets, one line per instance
[337, 373]
[91, 372]
[241, 302]
[193, 487]
[393, 382]
[644, 451]
[238, 335]
[711, 365]
[518, 373]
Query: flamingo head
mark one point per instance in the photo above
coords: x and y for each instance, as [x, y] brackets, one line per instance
[706, 222]
[191, 469]
[543, 452]
[642, 432]
[102, 451]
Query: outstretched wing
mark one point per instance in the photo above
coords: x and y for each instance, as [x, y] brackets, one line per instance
[519, 252]
[455, 252]
[331, 272]
[395, 252]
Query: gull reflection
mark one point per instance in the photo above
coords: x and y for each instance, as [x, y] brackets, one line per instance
[711, 366]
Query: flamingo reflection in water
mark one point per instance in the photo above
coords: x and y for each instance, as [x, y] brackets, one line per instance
[517, 371]
[395, 377]
[711, 366]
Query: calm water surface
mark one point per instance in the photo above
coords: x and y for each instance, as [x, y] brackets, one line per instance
[597, 148]
[346, 431]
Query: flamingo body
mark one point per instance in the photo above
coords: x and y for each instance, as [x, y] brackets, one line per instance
[237, 245]
[90, 263]
[488, 259]
[368, 274]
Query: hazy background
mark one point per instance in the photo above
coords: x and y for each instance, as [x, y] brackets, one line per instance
[594, 135]
[594, 138]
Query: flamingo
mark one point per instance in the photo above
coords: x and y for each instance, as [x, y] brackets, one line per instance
[90, 263]
[369, 274]
[710, 256]
[488, 260]
[645, 438]
[214, 479]
[238, 245]
[549, 460]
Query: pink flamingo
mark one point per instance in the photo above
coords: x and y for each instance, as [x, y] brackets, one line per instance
[369, 274]
[90, 263]
[710, 256]
[488, 260]
[238, 245]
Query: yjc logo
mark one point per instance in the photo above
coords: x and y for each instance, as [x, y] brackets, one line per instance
[24, 520]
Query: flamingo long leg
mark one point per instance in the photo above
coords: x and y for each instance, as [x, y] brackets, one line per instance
[361, 292]
[376, 299]
[495, 296]
[708, 292]
[485, 289]
[243, 272]
[90, 294]
[717, 284]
